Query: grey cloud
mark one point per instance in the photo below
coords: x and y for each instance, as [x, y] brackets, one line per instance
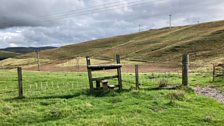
[57, 22]
[33, 12]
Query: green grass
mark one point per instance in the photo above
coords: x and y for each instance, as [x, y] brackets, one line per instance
[129, 107]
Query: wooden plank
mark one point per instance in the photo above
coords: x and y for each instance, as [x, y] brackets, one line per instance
[20, 83]
[89, 75]
[104, 67]
[118, 61]
[104, 78]
[185, 67]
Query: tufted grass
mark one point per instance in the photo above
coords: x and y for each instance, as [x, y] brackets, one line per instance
[130, 107]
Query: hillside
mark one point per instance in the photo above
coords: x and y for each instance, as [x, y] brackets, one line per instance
[6, 54]
[203, 41]
[23, 50]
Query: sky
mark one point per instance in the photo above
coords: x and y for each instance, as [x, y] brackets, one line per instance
[35, 23]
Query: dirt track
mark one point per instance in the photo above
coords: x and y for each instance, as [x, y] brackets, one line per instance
[125, 68]
[210, 92]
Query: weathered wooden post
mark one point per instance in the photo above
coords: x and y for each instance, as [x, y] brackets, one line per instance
[222, 71]
[185, 67]
[77, 63]
[105, 85]
[20, 83]
[89, 75]
[38, 59]
[98, 84]
[213, 73]
[119, 72]
[136, 77]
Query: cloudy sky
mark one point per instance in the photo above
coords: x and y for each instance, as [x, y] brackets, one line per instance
[61, 22]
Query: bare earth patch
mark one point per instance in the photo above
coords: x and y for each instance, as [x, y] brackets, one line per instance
[210, 92]
[143, 68]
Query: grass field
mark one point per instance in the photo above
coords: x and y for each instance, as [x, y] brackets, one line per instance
[70, 106]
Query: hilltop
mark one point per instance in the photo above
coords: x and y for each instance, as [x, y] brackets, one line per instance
[202, 41]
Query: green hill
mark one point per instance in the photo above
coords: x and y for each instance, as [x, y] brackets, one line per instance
[23, 50]
[6, 54]
[203, 41]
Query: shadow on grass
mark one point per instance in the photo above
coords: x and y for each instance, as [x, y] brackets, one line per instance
[86, 93]
[59, 96]
[101, 93]
[163, 88]
[69, 96]
[97, 93]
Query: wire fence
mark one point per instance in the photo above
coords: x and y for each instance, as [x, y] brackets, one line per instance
[151, 80]
[152, 76]
[56, 84]
[8, 83]
[44, 84]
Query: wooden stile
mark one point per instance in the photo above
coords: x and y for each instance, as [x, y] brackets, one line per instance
[91, 68]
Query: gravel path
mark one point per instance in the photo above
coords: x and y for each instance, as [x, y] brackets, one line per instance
[210, 92]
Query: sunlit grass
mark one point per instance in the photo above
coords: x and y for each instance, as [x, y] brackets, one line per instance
[74, 106]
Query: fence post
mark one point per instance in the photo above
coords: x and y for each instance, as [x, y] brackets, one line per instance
[89, 75]
[222, 72]
[136, 77]
[118, 61]
[213, 73]
[185, 67]
[20, 82]
[77, 64]
[38, 59]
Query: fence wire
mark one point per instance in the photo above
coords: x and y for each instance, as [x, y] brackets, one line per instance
[44, 84]
[53, 84]
[8, 83]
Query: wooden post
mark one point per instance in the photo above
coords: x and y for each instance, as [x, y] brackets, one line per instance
[89, 75]
[213, 73]
[222, 72]
[185, 67]
[38, 59]
[118, 61]
[136, 77]
[20, 83]
[98, 84]
[77, 63]
[105, 85]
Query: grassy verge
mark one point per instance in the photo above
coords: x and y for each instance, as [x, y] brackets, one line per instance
[130, 107]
